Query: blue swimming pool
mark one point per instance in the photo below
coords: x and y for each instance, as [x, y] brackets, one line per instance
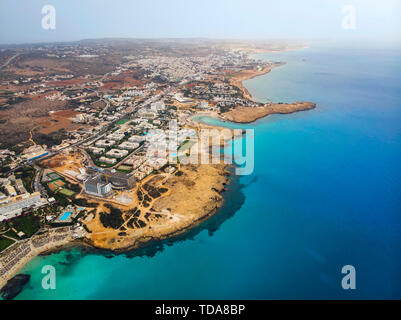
[65, 216]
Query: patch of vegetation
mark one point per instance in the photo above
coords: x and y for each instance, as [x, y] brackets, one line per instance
[141, 223]
[163, 190]
[113, 219]
[28, 224]
[51, 139]
[11, 234]
[152, 191]
[86, 228]
[139, 195]
[4, 169]
[3, 225]
[134, 212]
[73, 186]
[84, 203]
[5, 243]
[122, 121]
[136, 223]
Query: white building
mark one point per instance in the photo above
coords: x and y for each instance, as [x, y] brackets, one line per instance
[97, 187]
[96, 150]
[33, 152]
[146, 113]
[136, 139]
[116, 136]
[105, 143]
[203, 105]
[13, 206]
[117, 153]
[157, 106]
[129, 145]
[107, 160]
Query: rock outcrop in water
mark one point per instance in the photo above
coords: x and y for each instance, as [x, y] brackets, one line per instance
[248, 114]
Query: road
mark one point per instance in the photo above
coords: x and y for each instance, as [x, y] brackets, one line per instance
[37, 186]
[9, 60]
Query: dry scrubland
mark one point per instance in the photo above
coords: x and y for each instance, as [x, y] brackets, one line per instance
[18, 120]
[247, 115]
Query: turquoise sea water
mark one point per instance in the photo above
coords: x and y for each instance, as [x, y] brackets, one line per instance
[325, 192]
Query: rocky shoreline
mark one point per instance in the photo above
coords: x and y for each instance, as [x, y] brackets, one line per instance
[193, 195]
[132, 243]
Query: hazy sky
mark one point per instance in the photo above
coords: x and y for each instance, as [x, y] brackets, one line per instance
[20, 20]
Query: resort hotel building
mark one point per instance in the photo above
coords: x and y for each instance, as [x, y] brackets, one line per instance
[11, 207]
[97, 186]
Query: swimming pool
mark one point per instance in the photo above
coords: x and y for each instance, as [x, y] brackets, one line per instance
[65, 216]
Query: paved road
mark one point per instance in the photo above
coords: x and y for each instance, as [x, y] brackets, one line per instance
[9, 61]
[106, 107]
[91, 163]
[36, 183]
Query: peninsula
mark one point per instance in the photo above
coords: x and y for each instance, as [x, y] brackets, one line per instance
[244, 115]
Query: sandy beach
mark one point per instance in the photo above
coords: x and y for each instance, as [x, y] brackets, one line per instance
[241, 114]
[18, 255]
[239, 77]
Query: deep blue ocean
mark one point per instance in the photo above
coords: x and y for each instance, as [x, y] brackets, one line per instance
[325, 192]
